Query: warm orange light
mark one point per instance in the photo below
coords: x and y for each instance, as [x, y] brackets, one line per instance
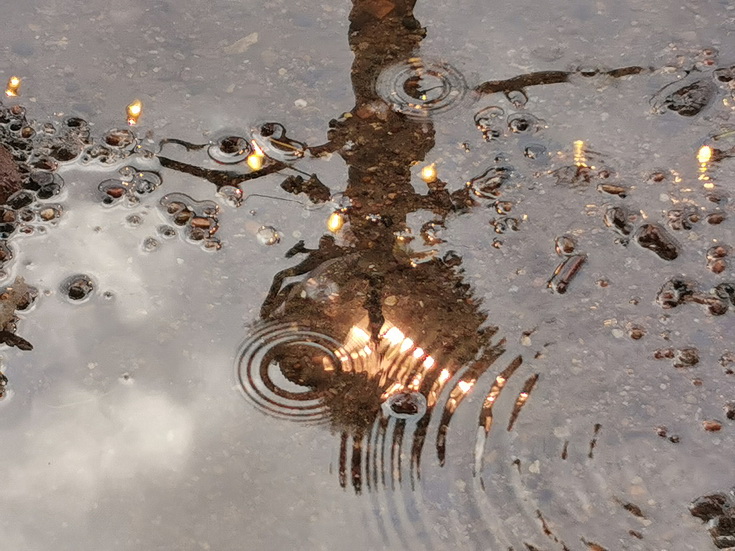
[406, 345]
[704, 155]
[256, 149]
[428, 173]
[335, 221]
[394, 335]
[579, 156]
[394, 388]
[13, 87]
[134, 110]
[465, 386]
[255, 162]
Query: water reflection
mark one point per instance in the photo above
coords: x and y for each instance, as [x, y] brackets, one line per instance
[366, 333]
[379, 340]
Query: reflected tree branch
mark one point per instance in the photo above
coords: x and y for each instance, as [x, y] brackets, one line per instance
[540, 78]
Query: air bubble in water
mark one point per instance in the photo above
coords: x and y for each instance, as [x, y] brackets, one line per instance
[134, 220]
[489, 122]
[687, 99]
[229, 149]
[198, 217]
[120, 138]
[523, 123]
[517, 97]
[487, 185]
[232, 195]
[77, 287]
[150, 244]
[535, 151]
[166, 231]
[268, 235]
[272, 139]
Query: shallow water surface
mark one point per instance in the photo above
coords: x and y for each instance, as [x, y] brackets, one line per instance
[372, 275]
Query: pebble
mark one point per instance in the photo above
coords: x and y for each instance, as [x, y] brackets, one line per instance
[712, 425]
[391, 300]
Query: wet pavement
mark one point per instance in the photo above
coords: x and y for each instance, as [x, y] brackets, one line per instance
[368, 274]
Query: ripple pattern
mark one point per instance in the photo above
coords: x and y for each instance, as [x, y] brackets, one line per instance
[419, 88]
[263, 383]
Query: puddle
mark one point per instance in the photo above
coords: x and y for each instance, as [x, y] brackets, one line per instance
[408, 276]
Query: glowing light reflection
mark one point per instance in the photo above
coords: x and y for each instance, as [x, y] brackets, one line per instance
[256, 159]
[428, 173]
[134, 111]
[704, 157]
[580, 158]
[13, 88]
[394, 336]
[335, 222]
[406, 345]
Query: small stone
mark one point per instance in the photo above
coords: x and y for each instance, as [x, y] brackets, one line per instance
[686, 357]
[637, 333]
[391, 300]
[712, 425]
[715, 218]
[709, 507]
[201, 222]
[718, 266]
[47, 214]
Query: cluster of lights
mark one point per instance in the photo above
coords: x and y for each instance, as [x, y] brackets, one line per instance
[357, 346]
[580, 157]
[704, 156]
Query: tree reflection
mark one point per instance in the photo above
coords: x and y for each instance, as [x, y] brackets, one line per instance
[413, 341]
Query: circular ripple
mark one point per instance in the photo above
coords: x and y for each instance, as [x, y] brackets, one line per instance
[230, 149]
[419, 88]
[78, 287]
[271, 138]
[265, 385]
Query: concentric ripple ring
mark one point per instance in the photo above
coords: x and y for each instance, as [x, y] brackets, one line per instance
[419, 88]
[262, 382]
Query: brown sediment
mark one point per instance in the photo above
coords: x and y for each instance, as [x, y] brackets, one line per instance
[10, 177]
[593, 442]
